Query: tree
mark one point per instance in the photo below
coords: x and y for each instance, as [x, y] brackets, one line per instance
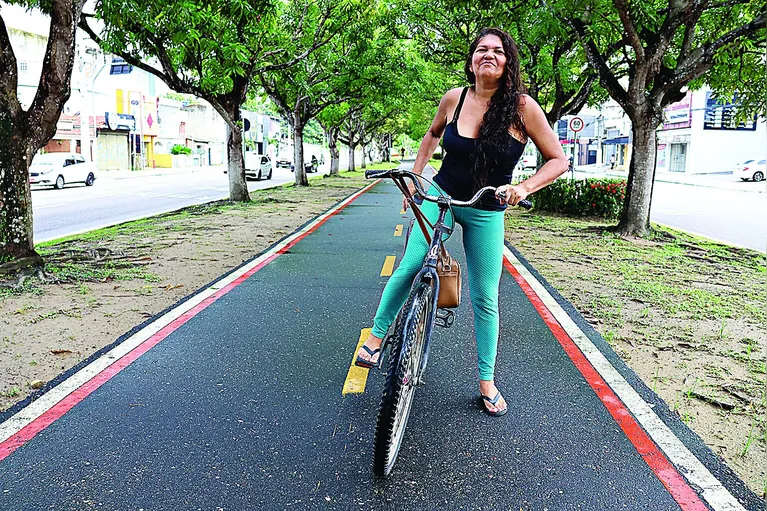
[209, 48]
[664, 47]
[325, 78]
[395, 79]
[24, 132]
[553, 67]
[331, 119]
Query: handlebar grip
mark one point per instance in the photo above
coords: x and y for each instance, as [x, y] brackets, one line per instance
[524, 203]
[374, 174]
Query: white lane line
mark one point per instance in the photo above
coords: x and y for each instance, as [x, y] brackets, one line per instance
[692, 469]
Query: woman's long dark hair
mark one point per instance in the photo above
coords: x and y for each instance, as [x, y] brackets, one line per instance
[503, 111]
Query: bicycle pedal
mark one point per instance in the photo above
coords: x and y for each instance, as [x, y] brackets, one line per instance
[444, 318]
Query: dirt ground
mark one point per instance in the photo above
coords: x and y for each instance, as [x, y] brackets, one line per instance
[707, 363]
[688, 316]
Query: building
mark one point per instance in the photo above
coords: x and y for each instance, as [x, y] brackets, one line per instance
[113, 113]
[700, 136]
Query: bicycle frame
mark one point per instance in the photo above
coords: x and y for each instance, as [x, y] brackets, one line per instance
[428, 272]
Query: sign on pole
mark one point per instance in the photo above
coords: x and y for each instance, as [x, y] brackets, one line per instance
[576, 124]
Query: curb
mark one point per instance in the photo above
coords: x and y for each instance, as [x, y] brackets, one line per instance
[661, 179]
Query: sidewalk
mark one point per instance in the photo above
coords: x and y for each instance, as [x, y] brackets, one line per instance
[723, 181]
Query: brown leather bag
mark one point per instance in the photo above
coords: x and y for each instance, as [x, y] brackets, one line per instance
[448, 269]
[449, 272]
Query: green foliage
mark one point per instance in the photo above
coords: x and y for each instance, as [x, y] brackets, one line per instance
[586, 197]
[553, 65]
[180, 149]
[207, 45]
[313, 133]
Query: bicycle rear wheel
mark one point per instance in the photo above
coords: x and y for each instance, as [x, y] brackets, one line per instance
[402, 377]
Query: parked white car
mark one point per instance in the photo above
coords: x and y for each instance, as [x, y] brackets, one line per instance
[751, 169]
[527, 161]
[257, 166]
[59, 169]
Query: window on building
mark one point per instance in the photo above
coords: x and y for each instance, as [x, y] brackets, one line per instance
[22, 67]
[119, 67]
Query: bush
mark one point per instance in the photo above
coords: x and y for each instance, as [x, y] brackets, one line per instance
[180, 149]
[587, 197]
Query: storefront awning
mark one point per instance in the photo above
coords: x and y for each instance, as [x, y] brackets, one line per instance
[617, 140]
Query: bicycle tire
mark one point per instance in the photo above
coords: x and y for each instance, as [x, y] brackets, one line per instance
[399, 388]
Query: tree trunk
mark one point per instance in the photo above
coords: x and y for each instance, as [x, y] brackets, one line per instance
[364, 163]
[334, 152]
[238, 186]
[23, 133]
[635, 219]
[298, 153]
[16, 234]
[352, 168]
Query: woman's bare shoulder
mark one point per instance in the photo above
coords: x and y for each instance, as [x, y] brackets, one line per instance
[526, 102]
[451, 96]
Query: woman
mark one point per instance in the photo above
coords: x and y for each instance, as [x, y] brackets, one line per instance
[486, 127]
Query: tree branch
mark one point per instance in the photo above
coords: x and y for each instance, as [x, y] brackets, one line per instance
[9, 77]
[597, 61]
[579, 99]
[624, 11]
[130, 59]
[54, 87]
[701, 59]
[277, 67]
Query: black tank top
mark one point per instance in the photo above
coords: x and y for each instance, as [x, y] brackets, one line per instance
[455, 177]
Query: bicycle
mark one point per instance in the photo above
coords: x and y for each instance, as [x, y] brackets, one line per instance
[409, 340]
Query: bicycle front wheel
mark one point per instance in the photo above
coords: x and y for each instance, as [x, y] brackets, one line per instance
[402, 377]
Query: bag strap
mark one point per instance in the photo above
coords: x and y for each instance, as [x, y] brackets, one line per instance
[420, 218]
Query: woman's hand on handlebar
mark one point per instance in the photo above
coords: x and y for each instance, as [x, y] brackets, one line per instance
[511, 194]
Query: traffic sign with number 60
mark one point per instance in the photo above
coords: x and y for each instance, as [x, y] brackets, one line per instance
[576, 124]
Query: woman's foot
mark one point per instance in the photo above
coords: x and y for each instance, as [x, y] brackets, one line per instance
[370, 352]
[492, 399]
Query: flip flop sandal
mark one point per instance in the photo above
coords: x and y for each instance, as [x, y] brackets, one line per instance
[492, 402]
[367, 364]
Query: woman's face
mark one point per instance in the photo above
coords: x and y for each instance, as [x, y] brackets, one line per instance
[489, 59]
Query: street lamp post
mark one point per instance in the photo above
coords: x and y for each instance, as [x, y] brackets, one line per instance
[85, 122]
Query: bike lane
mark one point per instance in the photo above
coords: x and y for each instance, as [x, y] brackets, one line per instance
[241, 405]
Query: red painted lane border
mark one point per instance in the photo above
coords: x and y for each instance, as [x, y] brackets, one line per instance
[664, 470]
[62, 407]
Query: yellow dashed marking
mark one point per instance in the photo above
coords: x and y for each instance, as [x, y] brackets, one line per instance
[401, 211]
[357, 376]
[388, 266]
[398, 230]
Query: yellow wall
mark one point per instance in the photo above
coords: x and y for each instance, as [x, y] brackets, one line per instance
[161, 161]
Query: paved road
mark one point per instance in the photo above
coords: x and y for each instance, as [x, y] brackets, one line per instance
[120, 197]
[720, 207]
[731, 216]
[237, 405]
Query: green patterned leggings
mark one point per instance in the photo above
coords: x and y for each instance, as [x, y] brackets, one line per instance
[483, 244]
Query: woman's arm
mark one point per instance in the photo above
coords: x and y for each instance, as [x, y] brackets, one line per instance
[431, 139]
[547, 142]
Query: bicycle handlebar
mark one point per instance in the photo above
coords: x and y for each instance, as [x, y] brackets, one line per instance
[375, 174]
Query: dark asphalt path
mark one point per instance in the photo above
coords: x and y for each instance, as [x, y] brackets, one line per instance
[241, 407]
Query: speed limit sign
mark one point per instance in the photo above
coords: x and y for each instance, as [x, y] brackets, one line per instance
[576, 124]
